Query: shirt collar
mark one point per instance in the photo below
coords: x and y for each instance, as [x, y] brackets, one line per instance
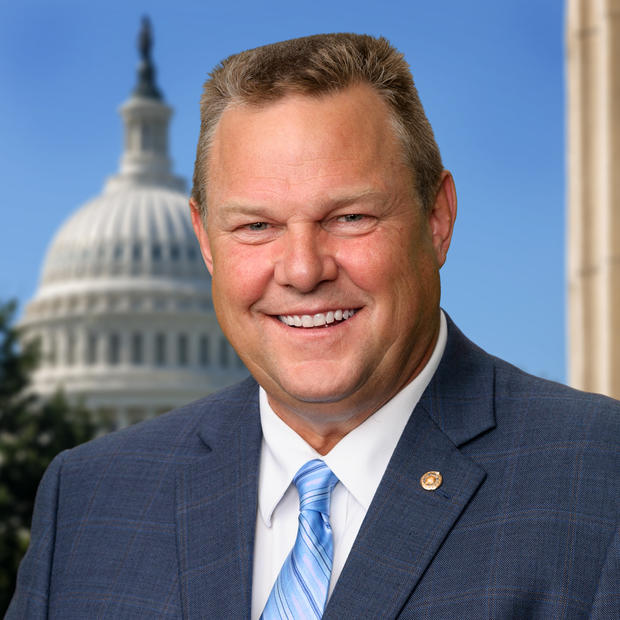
[372, 443]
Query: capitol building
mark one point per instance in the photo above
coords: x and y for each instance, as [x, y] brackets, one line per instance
[123, 310]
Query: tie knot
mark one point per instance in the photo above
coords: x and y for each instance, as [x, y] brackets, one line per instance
[315, 482]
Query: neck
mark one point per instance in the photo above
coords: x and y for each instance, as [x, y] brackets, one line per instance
[322, 425]
[322, 437]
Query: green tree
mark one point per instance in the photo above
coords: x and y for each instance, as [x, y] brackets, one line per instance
[32, 432]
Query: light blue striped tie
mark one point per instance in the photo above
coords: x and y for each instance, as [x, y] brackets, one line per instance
[300, 591]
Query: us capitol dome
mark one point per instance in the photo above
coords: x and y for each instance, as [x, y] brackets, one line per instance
[123, 310]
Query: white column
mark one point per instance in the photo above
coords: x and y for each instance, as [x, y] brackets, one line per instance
[593, 265]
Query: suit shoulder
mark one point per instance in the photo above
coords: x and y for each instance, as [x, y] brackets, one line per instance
[466, 369]
[173, 430]
[554, 405]
[512, 382]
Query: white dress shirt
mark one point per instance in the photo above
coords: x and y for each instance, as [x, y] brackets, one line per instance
[359, 461]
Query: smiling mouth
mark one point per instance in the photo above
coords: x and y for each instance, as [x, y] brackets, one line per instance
[322, 319]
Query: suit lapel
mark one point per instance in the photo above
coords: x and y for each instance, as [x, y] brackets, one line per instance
[405, 524]
[216, 511]
[403, 529]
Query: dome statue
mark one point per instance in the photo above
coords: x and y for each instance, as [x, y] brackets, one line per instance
[123, 310]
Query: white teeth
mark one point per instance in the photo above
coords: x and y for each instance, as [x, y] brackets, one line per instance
[318, 320]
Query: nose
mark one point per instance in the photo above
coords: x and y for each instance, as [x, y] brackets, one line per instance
[305, 259]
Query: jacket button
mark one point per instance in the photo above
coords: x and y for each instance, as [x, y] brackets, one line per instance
[431, 480]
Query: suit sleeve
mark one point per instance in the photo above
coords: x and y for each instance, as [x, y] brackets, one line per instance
[607, 598]
[35, 571]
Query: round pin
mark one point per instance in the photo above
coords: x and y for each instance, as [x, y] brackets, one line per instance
[431, 480]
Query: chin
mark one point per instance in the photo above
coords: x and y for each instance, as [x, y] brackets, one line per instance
[320, 392]
[308, 382]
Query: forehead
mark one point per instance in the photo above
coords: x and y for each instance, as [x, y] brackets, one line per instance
[300, 139]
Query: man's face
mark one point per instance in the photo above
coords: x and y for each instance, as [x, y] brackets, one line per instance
[312, 218]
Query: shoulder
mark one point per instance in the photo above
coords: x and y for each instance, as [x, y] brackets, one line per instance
[554, 408]
[556, 447]
[540, 442]
[119, 474]
[517, 398]
[116, 496]
[172, 433]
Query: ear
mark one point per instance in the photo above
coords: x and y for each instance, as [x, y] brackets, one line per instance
[442, 216]
[201, 234]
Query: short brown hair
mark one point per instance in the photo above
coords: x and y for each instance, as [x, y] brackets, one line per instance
[314, 66]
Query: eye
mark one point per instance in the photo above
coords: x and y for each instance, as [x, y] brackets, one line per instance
[348, 224]
[256, 232]
[350, 218]
[257, 226]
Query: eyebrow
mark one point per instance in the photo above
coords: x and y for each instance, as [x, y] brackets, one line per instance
[234, 206]
[350, 198]
[335, 201]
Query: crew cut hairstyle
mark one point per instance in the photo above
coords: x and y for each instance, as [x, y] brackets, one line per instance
[314, 66]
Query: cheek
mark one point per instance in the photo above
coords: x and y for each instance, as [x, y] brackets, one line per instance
[240, 275]
[399, 275]
[374, 263]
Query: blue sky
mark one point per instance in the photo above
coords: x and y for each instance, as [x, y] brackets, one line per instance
[490, 74]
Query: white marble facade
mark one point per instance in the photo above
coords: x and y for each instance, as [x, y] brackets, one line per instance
[123, 310]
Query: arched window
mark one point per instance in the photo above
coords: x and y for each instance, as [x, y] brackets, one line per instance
[71, 346]
[137, 349]
[224, 350]
[182, 350]
[160, 349]
[203, 351]
[114, 349]
[91, 349]
[51, 354]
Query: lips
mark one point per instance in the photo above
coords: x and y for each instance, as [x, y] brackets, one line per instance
[321, 319]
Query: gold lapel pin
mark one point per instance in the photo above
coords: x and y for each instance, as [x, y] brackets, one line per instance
[431, 480]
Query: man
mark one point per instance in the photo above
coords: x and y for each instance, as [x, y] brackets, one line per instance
[452, 484]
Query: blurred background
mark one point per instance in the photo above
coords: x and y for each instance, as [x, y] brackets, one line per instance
[490, 74]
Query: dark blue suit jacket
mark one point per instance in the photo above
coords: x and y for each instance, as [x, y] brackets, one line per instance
[157, 521]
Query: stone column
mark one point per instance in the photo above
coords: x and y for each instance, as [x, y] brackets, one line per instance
[593, 89]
